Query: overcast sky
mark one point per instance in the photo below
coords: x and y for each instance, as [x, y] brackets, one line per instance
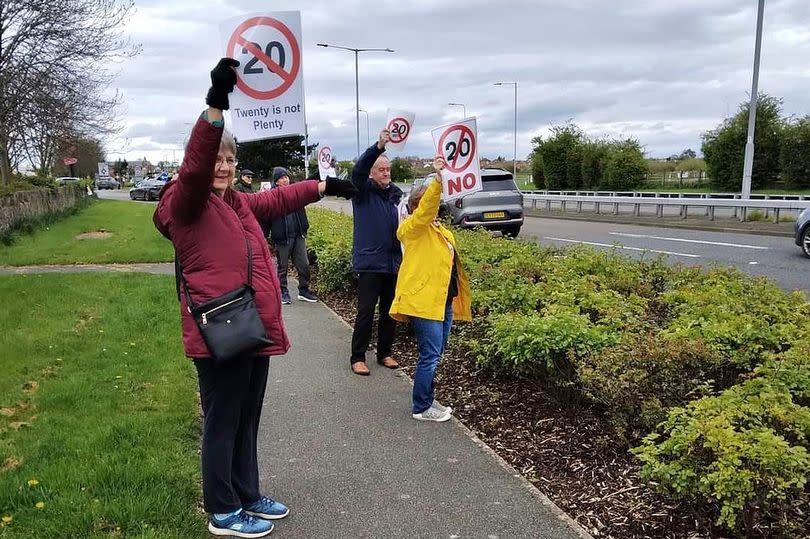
[663, 71]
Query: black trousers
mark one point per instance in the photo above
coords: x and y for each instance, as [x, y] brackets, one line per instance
[295, 248]
[232, 396]
[374, 288]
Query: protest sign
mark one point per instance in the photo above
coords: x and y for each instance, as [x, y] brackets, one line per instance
[458, 143]
[399, 124]
[325, 167]
[268, 100]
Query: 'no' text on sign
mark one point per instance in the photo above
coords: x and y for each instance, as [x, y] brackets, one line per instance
[458, 143]
[268, 100]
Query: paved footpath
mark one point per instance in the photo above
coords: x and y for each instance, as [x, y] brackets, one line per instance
[344, 453]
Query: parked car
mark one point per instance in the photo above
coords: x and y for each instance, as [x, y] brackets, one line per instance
[803, 232]
[498, 206]
[67, 180]
[146, 190]
[106, 182]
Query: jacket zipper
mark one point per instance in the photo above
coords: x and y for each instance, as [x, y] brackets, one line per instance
[206, 313]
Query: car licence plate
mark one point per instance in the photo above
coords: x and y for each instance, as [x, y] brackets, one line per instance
[494, 215]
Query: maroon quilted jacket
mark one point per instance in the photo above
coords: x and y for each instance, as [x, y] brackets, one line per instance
[209, 235]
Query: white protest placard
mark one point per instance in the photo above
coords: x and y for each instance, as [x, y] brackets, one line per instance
[103, 169]
[458, 143]
[266, 186]
[268, 100]
[399, 124]
[325, 167]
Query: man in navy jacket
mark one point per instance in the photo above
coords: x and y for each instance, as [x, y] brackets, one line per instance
[376, 253]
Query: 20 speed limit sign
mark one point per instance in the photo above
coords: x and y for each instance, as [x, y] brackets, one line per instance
[399, 124]
[458, 144]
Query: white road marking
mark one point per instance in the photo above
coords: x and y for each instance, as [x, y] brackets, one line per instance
[622, 247]
[753, 263]
[720, 243]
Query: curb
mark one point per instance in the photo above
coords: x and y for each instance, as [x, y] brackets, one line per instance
[544, 500]
[661, 224]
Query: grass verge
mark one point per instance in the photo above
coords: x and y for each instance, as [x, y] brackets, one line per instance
[99, 425]
[132, 238]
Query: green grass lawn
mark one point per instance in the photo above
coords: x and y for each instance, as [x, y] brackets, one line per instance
[133, 239]
[99, 418]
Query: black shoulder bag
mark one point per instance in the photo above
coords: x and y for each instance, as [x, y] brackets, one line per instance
[229, 324]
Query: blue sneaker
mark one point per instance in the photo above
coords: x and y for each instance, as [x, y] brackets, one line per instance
[267, 508]
[240, 525]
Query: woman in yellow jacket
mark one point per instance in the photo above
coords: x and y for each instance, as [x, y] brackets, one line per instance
[432, 289]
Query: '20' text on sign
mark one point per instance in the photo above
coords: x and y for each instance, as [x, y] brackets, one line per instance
[268, 100]
[458, 143]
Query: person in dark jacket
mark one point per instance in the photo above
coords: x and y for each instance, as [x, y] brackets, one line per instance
[213, 229]
[245, 182]
[376, 253]
[288, 236]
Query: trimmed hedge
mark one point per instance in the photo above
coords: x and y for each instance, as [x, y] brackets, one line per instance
[712, 363]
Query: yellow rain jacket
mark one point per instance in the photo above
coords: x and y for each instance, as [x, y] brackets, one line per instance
[424, 275]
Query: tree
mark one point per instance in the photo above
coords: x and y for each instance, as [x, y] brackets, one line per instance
[688, 153]
[562, 157]
[794, 157]
[724, 146]
[400, 170]
[594, 159]
[262, 155]
[52, 75]
[625, 167]
[87, 150]
[536, 158]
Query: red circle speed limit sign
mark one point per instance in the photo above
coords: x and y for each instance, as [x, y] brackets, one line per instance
[457, 145]
[325, 157]
[399, 128]
[269, 61]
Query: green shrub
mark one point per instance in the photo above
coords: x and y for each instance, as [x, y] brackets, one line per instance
[745, 450]
[626, 168]
[638, 380]
[331, 237]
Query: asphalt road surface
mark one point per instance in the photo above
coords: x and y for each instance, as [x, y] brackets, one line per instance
[775, 257]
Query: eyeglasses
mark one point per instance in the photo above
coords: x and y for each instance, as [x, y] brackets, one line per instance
[230, 161]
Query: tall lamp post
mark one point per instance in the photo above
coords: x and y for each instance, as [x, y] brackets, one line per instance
[514, 162]
[748, 163]
[460, 105]
[356, 82]
[368, 139]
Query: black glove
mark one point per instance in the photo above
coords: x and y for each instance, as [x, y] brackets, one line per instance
[223, 79]
[339, 188]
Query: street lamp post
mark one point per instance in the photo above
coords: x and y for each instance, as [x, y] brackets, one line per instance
[368, 139]
[356, 81]
[460, 105]
[748, 163]
[514, 161]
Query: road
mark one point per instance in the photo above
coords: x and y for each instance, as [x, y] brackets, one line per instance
[774, 257]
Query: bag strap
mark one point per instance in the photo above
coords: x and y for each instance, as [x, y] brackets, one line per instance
[179, 279]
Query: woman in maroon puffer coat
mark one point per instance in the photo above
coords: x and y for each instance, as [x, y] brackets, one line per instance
[210, 225]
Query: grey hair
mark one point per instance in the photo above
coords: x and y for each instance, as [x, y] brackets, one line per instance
[228, 142]
[415, 197]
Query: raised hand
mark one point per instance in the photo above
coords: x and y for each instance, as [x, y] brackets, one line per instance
[385, 138]
[223, 79]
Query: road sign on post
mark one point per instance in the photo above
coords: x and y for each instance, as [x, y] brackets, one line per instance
[268, 100]
[458, 143]
[70, 161]
[103, 169]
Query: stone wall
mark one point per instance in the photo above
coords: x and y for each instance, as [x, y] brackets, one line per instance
[24, 205]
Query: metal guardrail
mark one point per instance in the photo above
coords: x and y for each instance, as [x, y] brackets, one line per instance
[702, 200]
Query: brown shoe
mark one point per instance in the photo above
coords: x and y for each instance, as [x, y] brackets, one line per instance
[359, 367]
[388, 362]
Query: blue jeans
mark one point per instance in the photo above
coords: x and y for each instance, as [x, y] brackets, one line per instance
[431, 338]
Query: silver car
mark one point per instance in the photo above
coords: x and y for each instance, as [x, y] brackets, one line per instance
[803, 232]
[498, 206]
